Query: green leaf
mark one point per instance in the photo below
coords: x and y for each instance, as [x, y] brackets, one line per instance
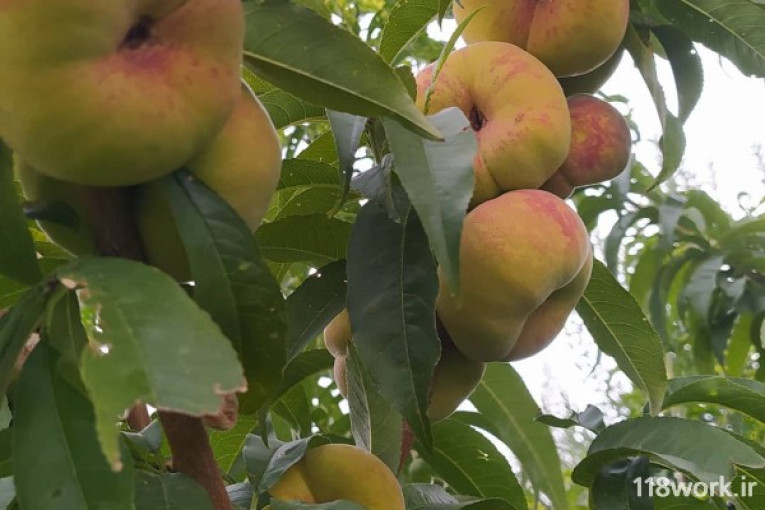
[376, 426]
[614, 486]
[622, 331]
[422, 496]
[619, 230]
[743, 395]
[321, 149]
[15, 327]
[508, 411]
[295, 408]
[686, 68]
[7, 492]
[57, 460]
[334, 505]
[306, 173]
[149, 343]
[314, 304]
[5, 413]
[306, 55]
[346, 130]
[438, 176]
[6, 453]
[286, 109]
[672, 142]
[169, 491]
[257, 455]
[407, 19]
[739, 346]
[316, 239]
[301, 366]
[232, 283]
[591, 419]
[702, 451]
[18, 258]
[732, 28]
[701, 284]
[471, 464]
[240, 494]
[286, 456]
[392, 287]
[227, 445]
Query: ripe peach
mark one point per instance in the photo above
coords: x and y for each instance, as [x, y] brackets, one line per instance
[600, 146]
[571, 37]
[516, 107]
[524, 263]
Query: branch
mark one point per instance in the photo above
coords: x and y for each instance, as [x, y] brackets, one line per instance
[111, 212]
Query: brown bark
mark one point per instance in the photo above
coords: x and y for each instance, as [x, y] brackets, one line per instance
[138, 417]
[193, 455]
[111, 211]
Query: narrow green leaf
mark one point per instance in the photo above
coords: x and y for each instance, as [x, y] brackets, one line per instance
[302, 53]
[18, 258]
[15, 327]
[314, 304]
[407, 18]
[470, 463]
[346, 130]
[321, 149]
[619, 230]
[702, 451]
[6, 453]
[301, 366]
[591, 419]
[686, 68]
[286, 456]
[227, 445]
[232, 283]
[169, 491]
[392, 287]
[5, 413]
[334, 505]
[286, 109]
[149, 343]
[7, 493]
[508, 411]
[376, 426]
[316, 239]
[438, 176]
[701, 284]
[295, 408]
[622, 331]
[743, 395]
[739, 346]
[672, 142]
[615, 486]
[58, 463]
[732, 28]
[302, 173]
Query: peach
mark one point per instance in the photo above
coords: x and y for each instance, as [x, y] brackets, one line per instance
[242, 165]
[600, 146]
[571, 37]
[516, 108]
[524, 263]
[338, 471]
[454, 377]
[592, 81]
